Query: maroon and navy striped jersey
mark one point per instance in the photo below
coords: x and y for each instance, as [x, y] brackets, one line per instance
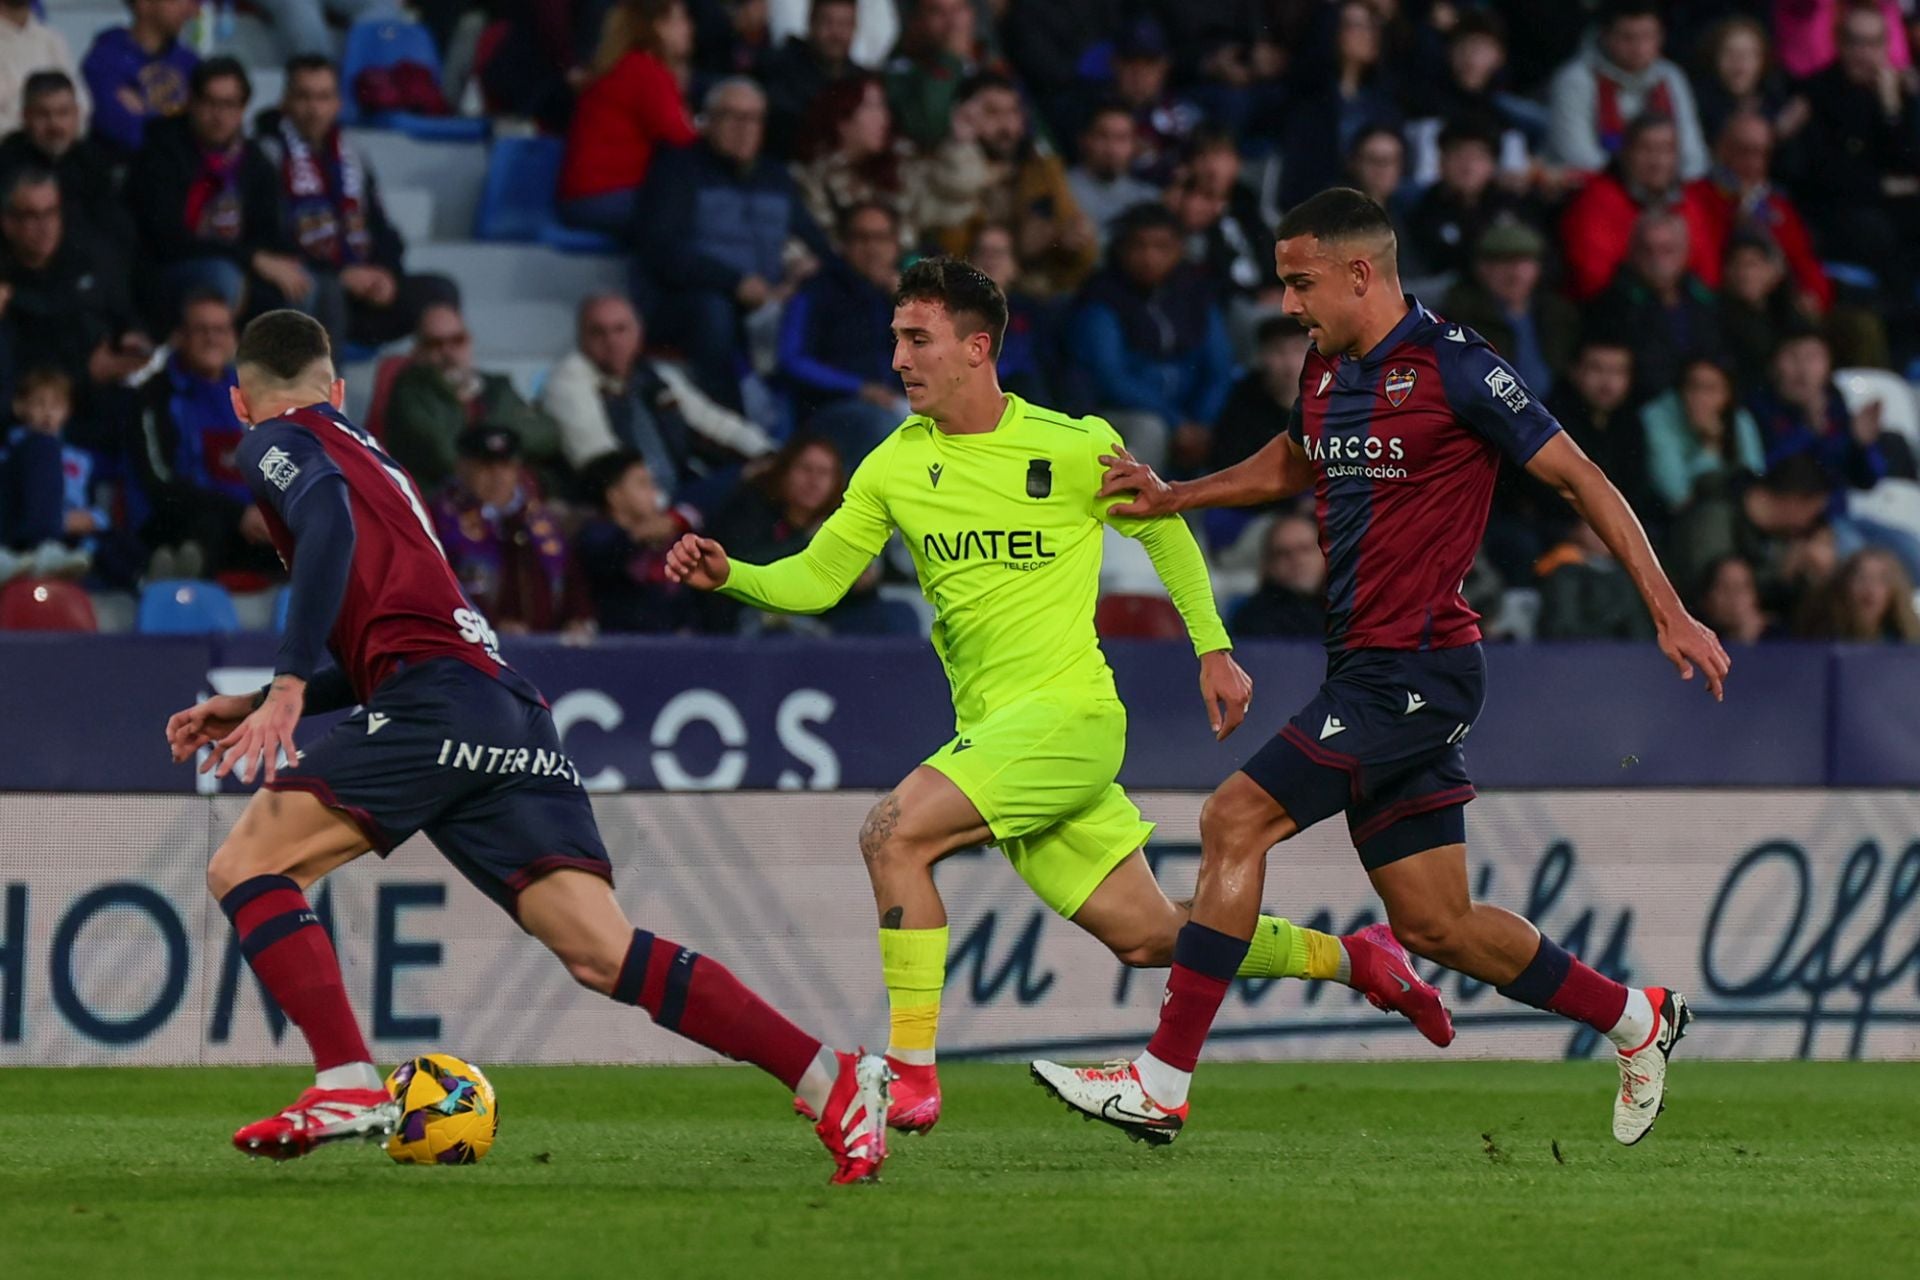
[402, 603]
[1405, 444]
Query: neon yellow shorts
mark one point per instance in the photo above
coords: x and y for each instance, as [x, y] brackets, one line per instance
[1041, 772]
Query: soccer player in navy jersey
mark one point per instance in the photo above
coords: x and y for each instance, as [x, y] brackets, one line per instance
[448, 740]
[1399, 429]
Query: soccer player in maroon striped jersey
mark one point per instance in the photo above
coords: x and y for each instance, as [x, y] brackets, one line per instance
[1399, 430]
[448, 740]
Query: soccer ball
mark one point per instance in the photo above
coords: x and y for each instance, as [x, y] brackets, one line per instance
[448, 1114]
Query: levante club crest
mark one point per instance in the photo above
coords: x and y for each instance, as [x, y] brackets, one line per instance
[1399, 384]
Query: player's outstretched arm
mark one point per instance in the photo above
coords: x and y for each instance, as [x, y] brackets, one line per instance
[1687, 642]
[811, 582]
[1278, 471]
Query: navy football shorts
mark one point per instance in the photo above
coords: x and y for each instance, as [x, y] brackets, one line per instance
[447, 750]
[1381, 742]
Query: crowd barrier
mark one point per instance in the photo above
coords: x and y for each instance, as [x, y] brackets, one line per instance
[85, 713]
[1788, 916]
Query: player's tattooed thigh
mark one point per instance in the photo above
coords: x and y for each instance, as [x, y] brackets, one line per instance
[882, 820]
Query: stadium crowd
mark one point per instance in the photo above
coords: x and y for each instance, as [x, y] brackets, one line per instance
[1677, 221]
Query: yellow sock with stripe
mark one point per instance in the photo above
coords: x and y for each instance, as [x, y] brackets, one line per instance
[1282, 949]
[914, 964]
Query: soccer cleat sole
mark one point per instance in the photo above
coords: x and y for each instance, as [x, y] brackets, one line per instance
[1682, 1019]
[283, 1149]
[1153, 1137]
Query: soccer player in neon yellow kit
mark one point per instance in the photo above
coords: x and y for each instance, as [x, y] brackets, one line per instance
[997, 500]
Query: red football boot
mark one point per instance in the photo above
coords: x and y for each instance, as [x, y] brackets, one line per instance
[853, 1129]
[1383, 972]
[915, 1093]
[317, 1117]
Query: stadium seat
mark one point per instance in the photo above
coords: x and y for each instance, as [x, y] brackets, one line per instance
[386, 40]
[1123, 617]
[1899, 411]
[45, 604]
[181, 607]
[516, 201]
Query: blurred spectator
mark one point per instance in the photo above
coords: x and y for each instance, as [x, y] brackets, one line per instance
[1862, 182]
[200, 514]
[738, 47]
[27, 45]
[1698, 430]
[1226, 233]
[439, 395]
[1617, 78]
[1533, 328]
[801, 67]
[65, 309]
[849, 155]
[1801, 411]
[1811, 33]
[139, 72]
[1103, 183]
[1737, 75]
[776, 515]
[50, 138]
[1256, 409]
[1765, 522]
[622, 550]
[717, 217]
[1740, 195]
[1353, 93]
[1229, 57]
[1377, 165]
[937, 51]
[836, 336]
[1659, 307]
[537, 55]
[1474, 87]
[608, 395]
[1026, 189]
[1148, 334]
[302, 24]
[1756, 306]
[1729, 602]
[1585, 594]
[506, 547]
[1598, 223]
[1051, 46]
[48, 506]
[635, 102]
[1447, 221]
[1028, 346]
[209, 206]
[1162, 119]
[1869, 601]
[1291, 600]
[334, 214]
[876, 26]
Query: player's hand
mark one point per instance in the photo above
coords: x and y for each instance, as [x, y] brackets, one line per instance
[1690, 643]
[1125, 474]
[254, 748]
[699, 562]
[1227, 691]
[209, 721]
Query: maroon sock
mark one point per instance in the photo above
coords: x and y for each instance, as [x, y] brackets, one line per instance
[700, 999]
[1204, 962]
[1555, 981]
[282, 939]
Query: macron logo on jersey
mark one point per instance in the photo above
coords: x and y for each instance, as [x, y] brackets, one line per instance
[278, 468]
[1507, 390]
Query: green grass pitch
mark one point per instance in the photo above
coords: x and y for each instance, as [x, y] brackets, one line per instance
[1295, 1171]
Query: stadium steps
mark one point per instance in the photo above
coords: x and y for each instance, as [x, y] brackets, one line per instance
[410, 210]
[452, 171]
[504, 273]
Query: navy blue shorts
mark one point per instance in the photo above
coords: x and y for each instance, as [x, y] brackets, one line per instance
[445, 749]
[1381, 742]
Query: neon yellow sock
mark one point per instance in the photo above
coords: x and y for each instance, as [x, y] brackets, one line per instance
[1282, 949]
[914, 964]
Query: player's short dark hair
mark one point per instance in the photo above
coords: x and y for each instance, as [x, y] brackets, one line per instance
[50, 80]
[306, 62]
[966, 292]
[1338, 213]
[220, 68]
[283, 344]
[600, 474]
